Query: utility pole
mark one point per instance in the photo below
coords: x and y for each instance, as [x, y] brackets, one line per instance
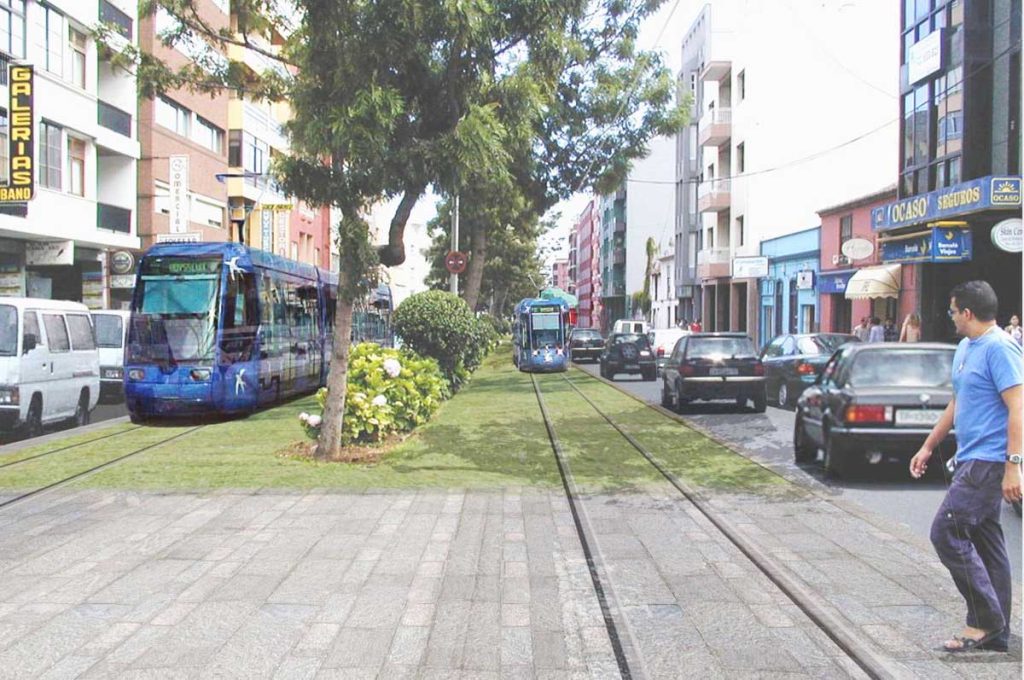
[453, 278]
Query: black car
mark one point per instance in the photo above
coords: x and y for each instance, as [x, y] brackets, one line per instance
[707, 366]
[874, 403]
[627, 353]
[792, 362]
[586, 343]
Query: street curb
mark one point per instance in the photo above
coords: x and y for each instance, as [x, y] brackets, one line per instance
[14, 447]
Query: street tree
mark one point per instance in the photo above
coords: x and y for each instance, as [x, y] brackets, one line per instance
[390, 97]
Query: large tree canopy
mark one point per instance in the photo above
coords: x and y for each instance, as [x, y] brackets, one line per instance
[393, 96]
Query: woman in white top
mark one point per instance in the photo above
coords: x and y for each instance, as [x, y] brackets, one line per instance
[1015, 330]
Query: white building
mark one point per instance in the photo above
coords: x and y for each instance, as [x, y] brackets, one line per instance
[664, 303]
[86, 150]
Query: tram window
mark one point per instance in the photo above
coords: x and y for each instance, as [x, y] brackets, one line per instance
[240, 318]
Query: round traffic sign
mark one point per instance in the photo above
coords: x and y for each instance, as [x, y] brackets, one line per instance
[456, 262]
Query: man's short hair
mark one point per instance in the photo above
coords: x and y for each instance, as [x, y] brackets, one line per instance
[978, 297]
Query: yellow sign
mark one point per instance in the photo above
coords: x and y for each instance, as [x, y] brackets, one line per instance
[21, 187]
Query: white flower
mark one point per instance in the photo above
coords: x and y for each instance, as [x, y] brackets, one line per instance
[392, 367]
[304, 417]
[380, 400]
[359, 396]
[314, 421]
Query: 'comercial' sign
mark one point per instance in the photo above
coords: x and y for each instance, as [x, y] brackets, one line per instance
[985, 193]
[21, 186]
[178, 181]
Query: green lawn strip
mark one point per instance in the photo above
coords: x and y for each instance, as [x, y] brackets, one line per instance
[53, 445]
[692, 457]
[490, 435]
[62, 464]
[600, 459]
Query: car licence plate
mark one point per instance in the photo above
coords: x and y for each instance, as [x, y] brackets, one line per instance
[917, 416]
[724, 371]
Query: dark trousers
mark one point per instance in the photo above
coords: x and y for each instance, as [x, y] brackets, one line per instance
[969, 541]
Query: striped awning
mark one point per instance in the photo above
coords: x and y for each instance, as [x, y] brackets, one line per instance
[874, 282]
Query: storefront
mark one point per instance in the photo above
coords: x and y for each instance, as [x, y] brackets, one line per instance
[789, 295]
[954, 235]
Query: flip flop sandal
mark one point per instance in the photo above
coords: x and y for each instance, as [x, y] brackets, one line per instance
[969, 644]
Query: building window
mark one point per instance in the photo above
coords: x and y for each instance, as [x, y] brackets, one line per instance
[49, 155]
[740, 229]
[4, 157]
[76, 166]
[208, 135]
[741, 85]
[53, 22]
[235, 148]
[76, 41]
[207, 213]
[741, 162]
[845, 229]
[172, 116]
[111, 15]
[256, 155]
[12, 28]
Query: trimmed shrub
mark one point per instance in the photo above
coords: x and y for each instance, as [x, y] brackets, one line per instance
[389, 391]
[439, 325]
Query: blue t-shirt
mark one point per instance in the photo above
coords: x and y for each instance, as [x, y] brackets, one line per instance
[982, 369]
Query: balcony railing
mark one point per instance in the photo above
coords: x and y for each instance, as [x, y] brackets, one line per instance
[113, 218]
[715, 127]
[714, 195]
[619, 256]
[619, 226]
[714, 255]
[113, 118]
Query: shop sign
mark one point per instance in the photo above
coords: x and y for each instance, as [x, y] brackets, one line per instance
[985, 193]
[266, 229]
[935, 245]
[805, 280]
[122, 281]
[49, 253]
[122, 262]
[178, 180]
[925, 56]
[22, 171]
[749, 267]
[833, 283]
[1007, 235]
[858, 248]
[92, 289]
[186, 237]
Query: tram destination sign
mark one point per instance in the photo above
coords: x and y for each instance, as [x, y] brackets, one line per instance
[21, 168]
[985, 193]
[179, 266]
[545, 309]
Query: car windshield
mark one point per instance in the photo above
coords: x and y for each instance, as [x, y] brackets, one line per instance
[109, 330]
[823, 344]
[8, 331]
[632, 339]
[720, 348]
[586, 335]
[902, 368]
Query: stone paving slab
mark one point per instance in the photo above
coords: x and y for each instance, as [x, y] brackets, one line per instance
[453, 584]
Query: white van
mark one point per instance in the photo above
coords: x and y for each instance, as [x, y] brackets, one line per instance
[631, 326]
[49, 364]
[111, 327]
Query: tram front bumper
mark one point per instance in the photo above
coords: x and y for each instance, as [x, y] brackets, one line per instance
[156, 399]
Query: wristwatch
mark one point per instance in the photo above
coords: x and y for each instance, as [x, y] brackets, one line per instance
[1014, 458]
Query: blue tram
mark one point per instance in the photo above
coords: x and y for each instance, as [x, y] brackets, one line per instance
[539, 333]
[221, 327]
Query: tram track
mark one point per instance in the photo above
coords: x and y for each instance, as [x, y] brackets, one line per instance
[813, 606]
[66, 448]
[94, 469]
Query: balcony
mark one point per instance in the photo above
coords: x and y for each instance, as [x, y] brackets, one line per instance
[713, 263]
[714, 196]
[715, 127]
[113, 218]
[619, 227]
[716, 70]
[619, 256]
[5, 60]
[114, 119]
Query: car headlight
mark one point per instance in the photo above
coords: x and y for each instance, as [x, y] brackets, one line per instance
[9, 396]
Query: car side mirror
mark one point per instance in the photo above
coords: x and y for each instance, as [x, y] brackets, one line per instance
[29, 343]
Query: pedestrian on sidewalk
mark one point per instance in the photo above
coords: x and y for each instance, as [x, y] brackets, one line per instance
[876, 333]
[988, 370]
[861, 330]
[911, 331]
[1015, 330]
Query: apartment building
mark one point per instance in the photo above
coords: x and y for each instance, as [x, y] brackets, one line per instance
[587, 231]
[791, 112]
[560, 274]
[61, 242]
[664, 303]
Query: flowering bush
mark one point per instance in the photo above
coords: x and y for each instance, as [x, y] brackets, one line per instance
[389, 391]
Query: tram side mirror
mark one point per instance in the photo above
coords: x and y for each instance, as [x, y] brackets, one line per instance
[29, 343]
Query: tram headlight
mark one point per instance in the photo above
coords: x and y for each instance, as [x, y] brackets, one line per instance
[136, 374]
[9, 396]
[199, 374]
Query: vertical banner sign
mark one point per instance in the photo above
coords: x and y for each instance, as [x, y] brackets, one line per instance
[282, 233]
[22, 172]
[178, 180]
[267, 231]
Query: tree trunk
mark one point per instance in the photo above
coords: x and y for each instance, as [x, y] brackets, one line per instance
[329, 443]
[475, 270]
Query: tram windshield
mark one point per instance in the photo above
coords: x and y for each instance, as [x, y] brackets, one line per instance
[175, 310]
[546, 329]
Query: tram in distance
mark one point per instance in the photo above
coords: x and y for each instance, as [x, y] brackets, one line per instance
[224, 328]
[539, 332]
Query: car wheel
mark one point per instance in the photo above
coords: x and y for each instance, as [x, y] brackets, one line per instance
[782, 396]
[803, 450]
[761, 402]
[666, 396]
[838, 461]
[34, 419]
[82, 411]
[680, 403]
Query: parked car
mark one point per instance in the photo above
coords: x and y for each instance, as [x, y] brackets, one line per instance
[586, 343]
[111, 332]
[792, 362]
[630, 326]
[708, 366]
[627, 353]
[874, 403]
[49, 364]
[663, 340]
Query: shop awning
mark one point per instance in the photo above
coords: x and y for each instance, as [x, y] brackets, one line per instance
[874, 282]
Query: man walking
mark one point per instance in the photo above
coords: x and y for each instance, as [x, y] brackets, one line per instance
[986, 411]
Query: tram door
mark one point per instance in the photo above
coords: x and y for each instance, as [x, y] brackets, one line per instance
[240, 315]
